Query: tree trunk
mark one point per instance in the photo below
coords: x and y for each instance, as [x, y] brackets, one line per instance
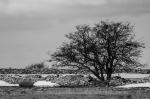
[109, 74]
[99, 77]
[102, 76]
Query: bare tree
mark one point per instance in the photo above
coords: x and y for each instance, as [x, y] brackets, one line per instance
[102, 49]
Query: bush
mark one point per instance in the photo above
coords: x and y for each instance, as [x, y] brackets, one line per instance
[26, 83]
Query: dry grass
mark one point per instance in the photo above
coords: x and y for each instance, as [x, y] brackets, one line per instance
[73, 93]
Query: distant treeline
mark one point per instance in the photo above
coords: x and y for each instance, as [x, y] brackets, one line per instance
[63, 71]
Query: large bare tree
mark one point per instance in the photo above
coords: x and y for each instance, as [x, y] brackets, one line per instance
[102, 49]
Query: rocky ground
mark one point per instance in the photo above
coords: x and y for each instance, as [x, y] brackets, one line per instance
[70, 80]
[72, 87]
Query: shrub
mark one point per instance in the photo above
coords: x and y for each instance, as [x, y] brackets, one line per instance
[26, 83]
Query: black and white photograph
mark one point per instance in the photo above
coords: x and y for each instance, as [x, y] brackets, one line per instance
[74, 49]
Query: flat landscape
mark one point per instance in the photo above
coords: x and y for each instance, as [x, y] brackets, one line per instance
[74, 49]
[76, 92]
[73, 93]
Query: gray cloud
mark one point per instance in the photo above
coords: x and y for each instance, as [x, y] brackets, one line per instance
[38, 14]
[111, 8]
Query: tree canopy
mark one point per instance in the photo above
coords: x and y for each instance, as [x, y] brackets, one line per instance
[102, 49]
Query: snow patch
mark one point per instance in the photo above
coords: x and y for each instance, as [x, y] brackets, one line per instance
[135, 85]
[4, 83]
[45, 84]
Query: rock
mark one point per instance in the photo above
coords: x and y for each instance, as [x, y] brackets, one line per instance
[51, 78]
[72, 80]
[116, 81]
[26, 83]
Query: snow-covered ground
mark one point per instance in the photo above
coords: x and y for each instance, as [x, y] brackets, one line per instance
[135, 85]
[132, 75]
[37, 84]
[45, 84]
[3, 83]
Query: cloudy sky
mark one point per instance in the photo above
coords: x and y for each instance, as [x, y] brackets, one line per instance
[31, 28]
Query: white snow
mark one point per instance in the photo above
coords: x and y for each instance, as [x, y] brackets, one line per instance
[135, 85]
[45, 84]
[4, 83]
[132, 75]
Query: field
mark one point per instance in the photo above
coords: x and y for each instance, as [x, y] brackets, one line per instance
[73, 93]
[77, 93]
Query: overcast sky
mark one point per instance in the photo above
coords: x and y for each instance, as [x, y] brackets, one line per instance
[31, 28]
